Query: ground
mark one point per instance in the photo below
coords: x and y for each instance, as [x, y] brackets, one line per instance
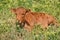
[9, 30]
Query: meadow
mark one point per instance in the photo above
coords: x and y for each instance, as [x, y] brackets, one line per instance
[9, 30]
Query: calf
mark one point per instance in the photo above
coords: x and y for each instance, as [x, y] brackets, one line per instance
[29, 18]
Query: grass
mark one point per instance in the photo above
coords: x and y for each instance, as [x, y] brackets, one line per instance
[10, 31]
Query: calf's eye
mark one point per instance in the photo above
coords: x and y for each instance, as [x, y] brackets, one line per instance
[23, 14]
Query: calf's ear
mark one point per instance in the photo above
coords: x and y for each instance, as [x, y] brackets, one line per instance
[13, 10]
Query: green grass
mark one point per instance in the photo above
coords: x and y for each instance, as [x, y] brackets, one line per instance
[10, 31]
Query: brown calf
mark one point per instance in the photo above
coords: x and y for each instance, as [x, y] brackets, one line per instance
[30, 18]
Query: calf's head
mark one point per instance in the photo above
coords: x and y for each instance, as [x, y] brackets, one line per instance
[20, 13]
